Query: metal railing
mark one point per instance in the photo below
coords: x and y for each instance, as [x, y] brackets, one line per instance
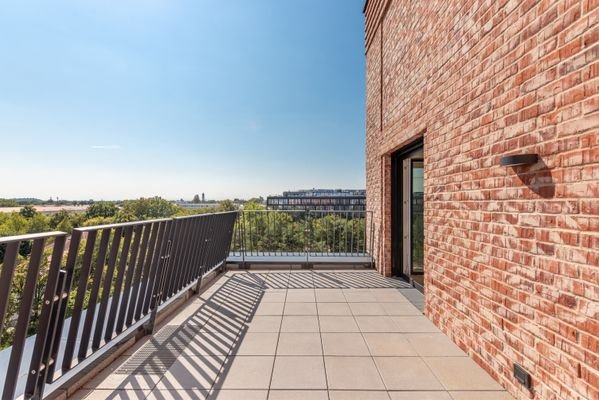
[310, 236]
[55, 316]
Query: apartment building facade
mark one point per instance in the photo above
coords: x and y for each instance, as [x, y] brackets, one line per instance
[319, 200]
[483, 177]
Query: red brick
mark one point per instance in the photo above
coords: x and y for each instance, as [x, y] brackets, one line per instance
[511, 254]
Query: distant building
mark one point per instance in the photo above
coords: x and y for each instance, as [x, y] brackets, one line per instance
[192, 206]
[319, 199]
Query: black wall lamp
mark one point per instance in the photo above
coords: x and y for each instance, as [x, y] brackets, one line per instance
[518, 159]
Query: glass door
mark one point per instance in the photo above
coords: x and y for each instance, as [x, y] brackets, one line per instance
[413, 218]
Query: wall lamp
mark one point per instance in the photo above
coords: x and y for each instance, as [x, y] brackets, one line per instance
[519, 159]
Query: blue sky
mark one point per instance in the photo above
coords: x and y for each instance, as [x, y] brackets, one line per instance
[235, 98]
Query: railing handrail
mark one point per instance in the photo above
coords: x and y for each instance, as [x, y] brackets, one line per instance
[262, 234]
[31, 236]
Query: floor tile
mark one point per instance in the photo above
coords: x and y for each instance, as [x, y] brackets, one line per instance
[256, 344]
[376, 324]
[298, 373]
[238, 394]
[434, 345]
[304, 323]
[481, 395]
[265, 324]
[300, 296]
[344, 344]
[178, 394]
[298, 395]
[353, 373]
[329, 296]
[358, 395]
[367, 309]
[245, 372]
[406, 373]
[461, 373]
[300, 309]
[209, 343]
[341, 309]
[110, 394]
[270, 309]
[338, 324]
[299, 344]
[275, 296]
[109, 378]
[419, 324]
[420, 395]
[400, 309]
[389, 344]
[393, 296]
[355, 296]
[192, 373]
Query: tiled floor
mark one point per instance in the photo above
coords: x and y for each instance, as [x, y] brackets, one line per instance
[282, 335]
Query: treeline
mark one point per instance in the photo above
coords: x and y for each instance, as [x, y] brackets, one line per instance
[29, 220]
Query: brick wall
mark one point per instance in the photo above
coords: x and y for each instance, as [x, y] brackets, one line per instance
[511, 254]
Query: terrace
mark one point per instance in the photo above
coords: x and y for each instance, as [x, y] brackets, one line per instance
[166, 309]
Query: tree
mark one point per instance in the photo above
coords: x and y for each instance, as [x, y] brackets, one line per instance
[196, 199]
[58, 217]
[153, 207]
[227, 205]
[28, 212]
[102, 209]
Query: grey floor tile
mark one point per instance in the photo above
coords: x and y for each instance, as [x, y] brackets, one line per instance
[300, 323]
[358, 395]
[407, 373]
[256, 344]
[192, 373]
[389, 345]
[337, 324]
[299, 344]
[339, 309]
[344, 344]
[300, 296]
[238, 394]
[270, 309]
[434, 345]
[376, 324]
[461, 373]
[481, 395]
[352, 373]
[298, 373]
[265, 323]
[298, 395]
[300, 309]
[410, 395]
[110, 394]
[416, 324]
[245, 372]
[367, 309]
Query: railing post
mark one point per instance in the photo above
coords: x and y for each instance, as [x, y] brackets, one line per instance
[242, 227]
[157, 289]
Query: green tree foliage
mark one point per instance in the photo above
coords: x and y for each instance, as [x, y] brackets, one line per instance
[227, 205]
[196, 199]
[150, 208]
[105, 209]
[28, 211]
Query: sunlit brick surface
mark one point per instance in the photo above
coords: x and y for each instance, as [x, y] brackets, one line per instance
[511, 255]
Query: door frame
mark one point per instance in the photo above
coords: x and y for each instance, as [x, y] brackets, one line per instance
[400, 192]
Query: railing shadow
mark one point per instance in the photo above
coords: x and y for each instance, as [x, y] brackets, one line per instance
[189, 352]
